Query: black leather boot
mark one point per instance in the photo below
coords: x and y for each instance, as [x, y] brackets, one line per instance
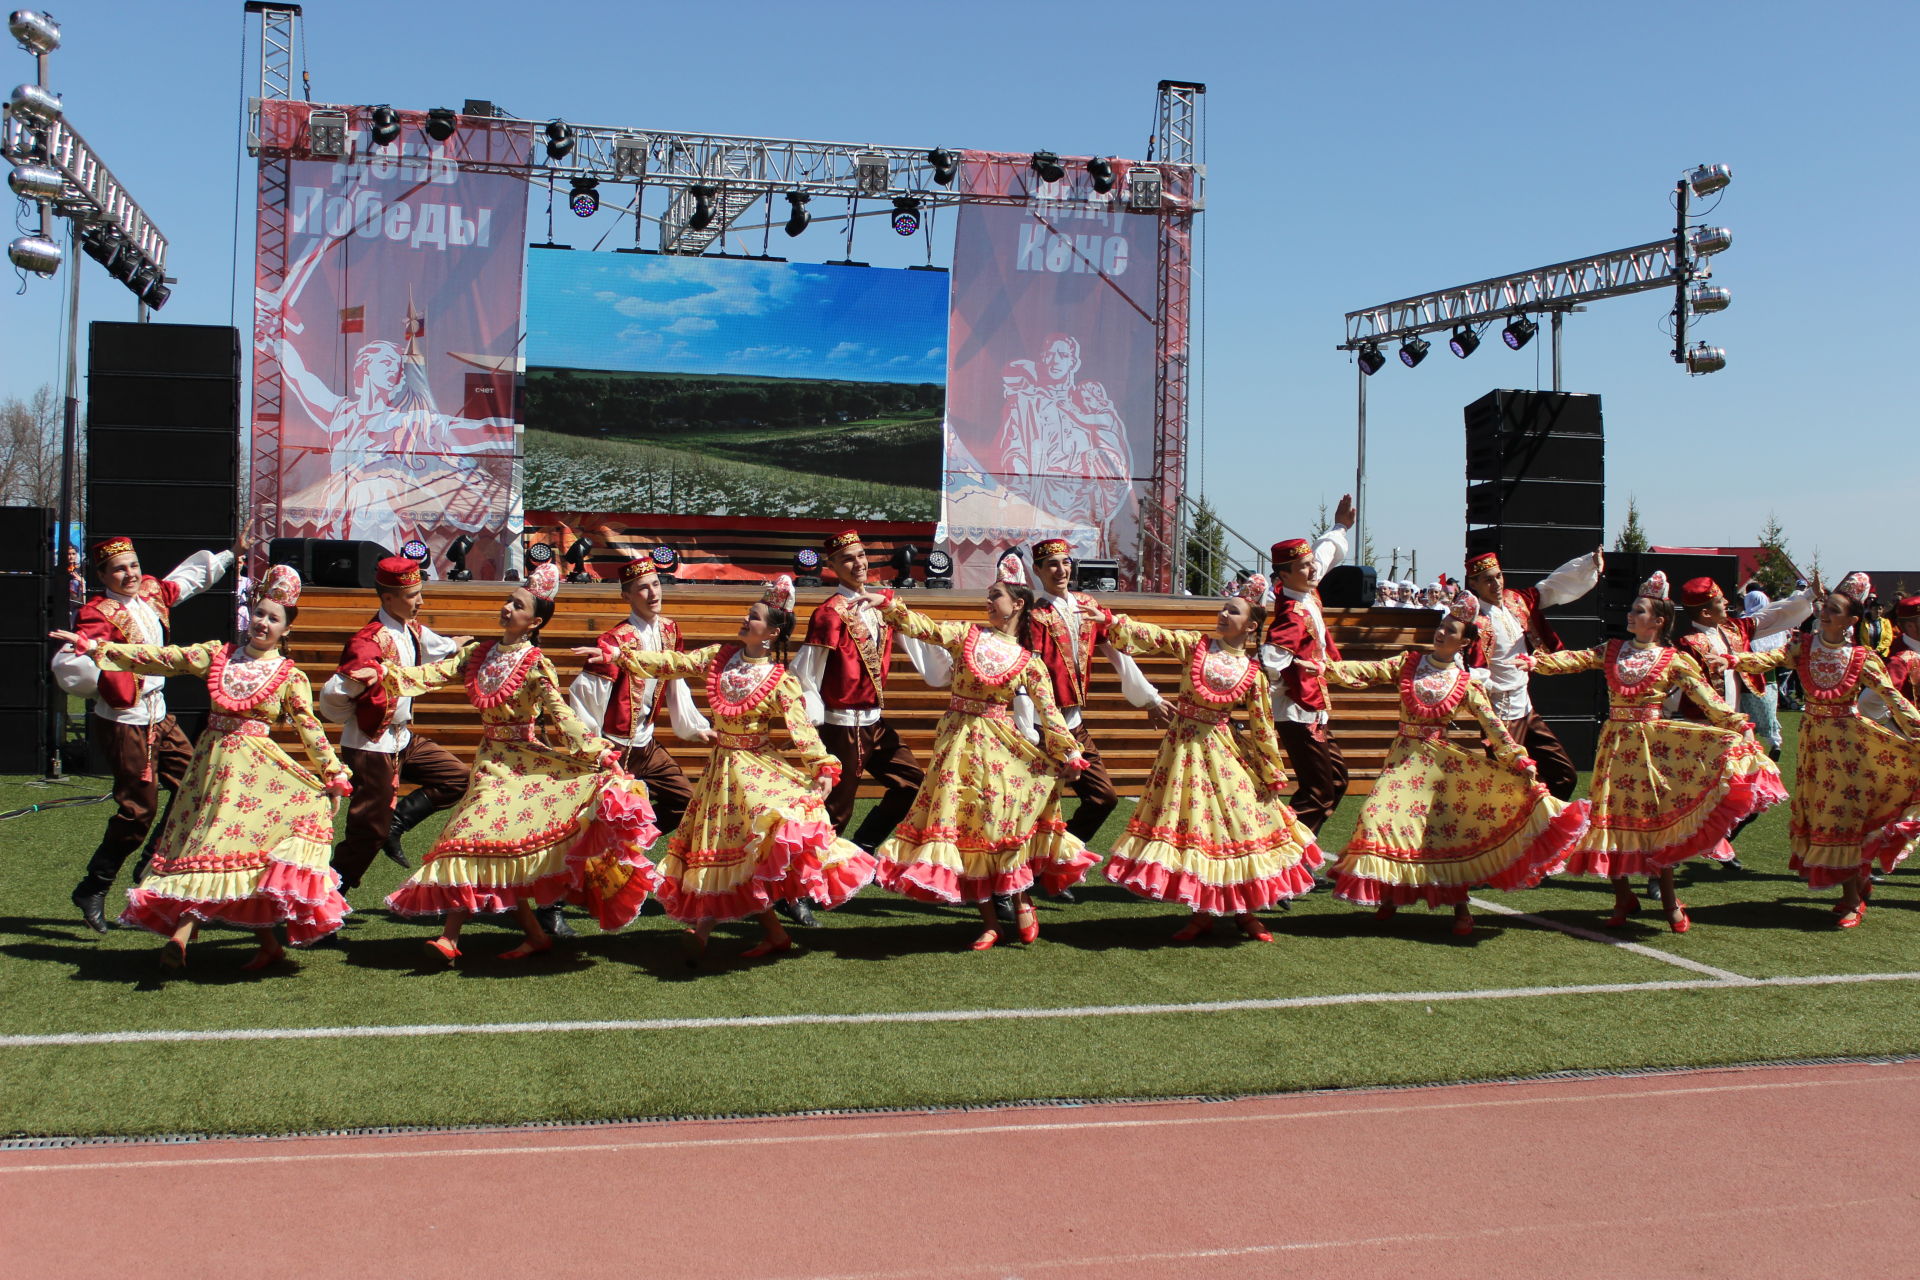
[93, 905]
[408, 814]
[553, 921]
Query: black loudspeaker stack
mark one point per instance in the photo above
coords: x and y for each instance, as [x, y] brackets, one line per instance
[26, 561]
[1627, 570]
[1349, 586]
[1536, 495]
[163, 458]
[329, 562]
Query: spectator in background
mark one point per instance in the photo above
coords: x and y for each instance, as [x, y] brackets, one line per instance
[1874, 631]
[76, 586]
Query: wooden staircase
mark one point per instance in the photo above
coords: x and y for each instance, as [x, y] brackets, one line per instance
[1364, 721]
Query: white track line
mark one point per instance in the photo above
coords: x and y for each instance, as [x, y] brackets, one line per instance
[72, 1038]
[802, 1136]
[1652, 953]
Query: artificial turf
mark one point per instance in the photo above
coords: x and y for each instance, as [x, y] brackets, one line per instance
[883, 954]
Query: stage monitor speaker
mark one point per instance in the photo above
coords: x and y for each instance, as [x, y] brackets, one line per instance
[1529, 552]
[1096, 575]
[335, 563]
[26, 540]
[1349, 586]
[1575, 502]
[294, 552]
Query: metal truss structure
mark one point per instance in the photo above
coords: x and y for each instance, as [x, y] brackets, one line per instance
[715, 179]
[266, 419]
[92, 195]
[1560, 287]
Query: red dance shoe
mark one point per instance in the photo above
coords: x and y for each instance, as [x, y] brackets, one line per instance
[1679, 921]
[173, 955]
[441, 947]
[1852, 919]
[1462, 926]
[1197, 927]
[768, 947]
[1251, 926]
[263, 959]
[1385, 911]
[985, 941]
[1029, 924]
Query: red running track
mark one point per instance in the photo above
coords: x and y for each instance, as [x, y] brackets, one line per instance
[1774, 1172]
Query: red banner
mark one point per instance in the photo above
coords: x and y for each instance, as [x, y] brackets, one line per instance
[387, 333]
[1050, 383]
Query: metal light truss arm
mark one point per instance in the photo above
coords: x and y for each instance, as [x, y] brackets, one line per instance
[93, 196]
[1560, 287]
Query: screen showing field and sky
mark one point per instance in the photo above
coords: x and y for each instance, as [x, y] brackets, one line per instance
[723, 386]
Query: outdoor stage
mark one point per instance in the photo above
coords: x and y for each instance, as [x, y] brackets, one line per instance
[1364, 720]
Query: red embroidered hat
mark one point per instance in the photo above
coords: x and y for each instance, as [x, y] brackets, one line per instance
[1485, 562]
[1907, 610]
[1051, 547]
[636, 569]
[397, 571]
[1285, 553]
[1695, 592]
[107, 548]
[841, 541]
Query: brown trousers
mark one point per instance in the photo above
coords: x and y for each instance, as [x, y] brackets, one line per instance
[377, 775]
[131, 752]
[875, 750]
[667, 787]
[1318, 766]
[1550, 759]
[1094, 787]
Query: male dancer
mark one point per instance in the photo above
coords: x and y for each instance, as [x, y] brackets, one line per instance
[1295, 657]
[621, 709]
[1513, 623]
[377, 740]
[143, 745]
[1903, 668]
[1067, 628]
[843, 663]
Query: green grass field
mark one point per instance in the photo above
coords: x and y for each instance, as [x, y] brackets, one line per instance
[884, 955]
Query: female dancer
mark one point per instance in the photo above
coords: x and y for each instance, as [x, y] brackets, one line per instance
[1209, 832]
[535, 816]
[1663, 790]
[1856, 793]
[756, 830]
[987, 820]
[250, 836]
[1441, 820]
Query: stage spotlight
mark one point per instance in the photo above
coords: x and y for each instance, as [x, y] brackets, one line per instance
[1702, 358]
[1519, 332]
[559, 140]
[1707, 241]
[577, 557]
[414, 549]
[1048, 166]
[945, 165]
[540, 553]
[806, 567]
[1100, 169]
[585, 200]
[37, 254]
[1708, 298]
[35, 105]
[37, 33]
[1709, 178]
[441, 122]
[124, 267]
[797, 216]
[939, 569]
[1145, 186]
[702, 216]
[327, 133]
[457, 552]
[906, 216]
[102, 244]
[903, 558]
[150, 285]
[1371, 361]
[37, 182]
[630, 157]
[1464, 342]
[383, 125]
[871, 172]
[1413, 351]
[665, 558]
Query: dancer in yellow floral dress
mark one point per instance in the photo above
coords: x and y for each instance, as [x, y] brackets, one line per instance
[1210, 831]
[537, 820]
[1856, 792]
[756, 831]
[1663, 790]
[250, 836]
[986, 822]
[1442, 820]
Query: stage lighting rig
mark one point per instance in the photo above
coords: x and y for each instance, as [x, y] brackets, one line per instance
[1047, 165]
[1464, 341]
[383, 125]
[1707, 241]
[540, 553]
[1371, 361]
[906, 216]
[37, 33]
[441, 122]
[1702, 358]
[35, 104]
[903, 558]
[939, 569]
[1518, 333]
[559, 142]
[1146, 186]
[797, 216]
[806, 567]
[577, 557]
[702, 216]
[457, 552]
[1413, 351]
[665, 558]
[39, 255]
[945, 165]
[1709, 178]
[870, 172]
[1705, 299]
[327, 134]
[414, 549]
[36, 182]
[1100, 169]
[585, 199]
[630, 157]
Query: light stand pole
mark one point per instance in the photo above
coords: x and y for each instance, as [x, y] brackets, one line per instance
[1360, 469]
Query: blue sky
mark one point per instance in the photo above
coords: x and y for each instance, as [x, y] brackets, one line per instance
[651, 313]
[1356, 154]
